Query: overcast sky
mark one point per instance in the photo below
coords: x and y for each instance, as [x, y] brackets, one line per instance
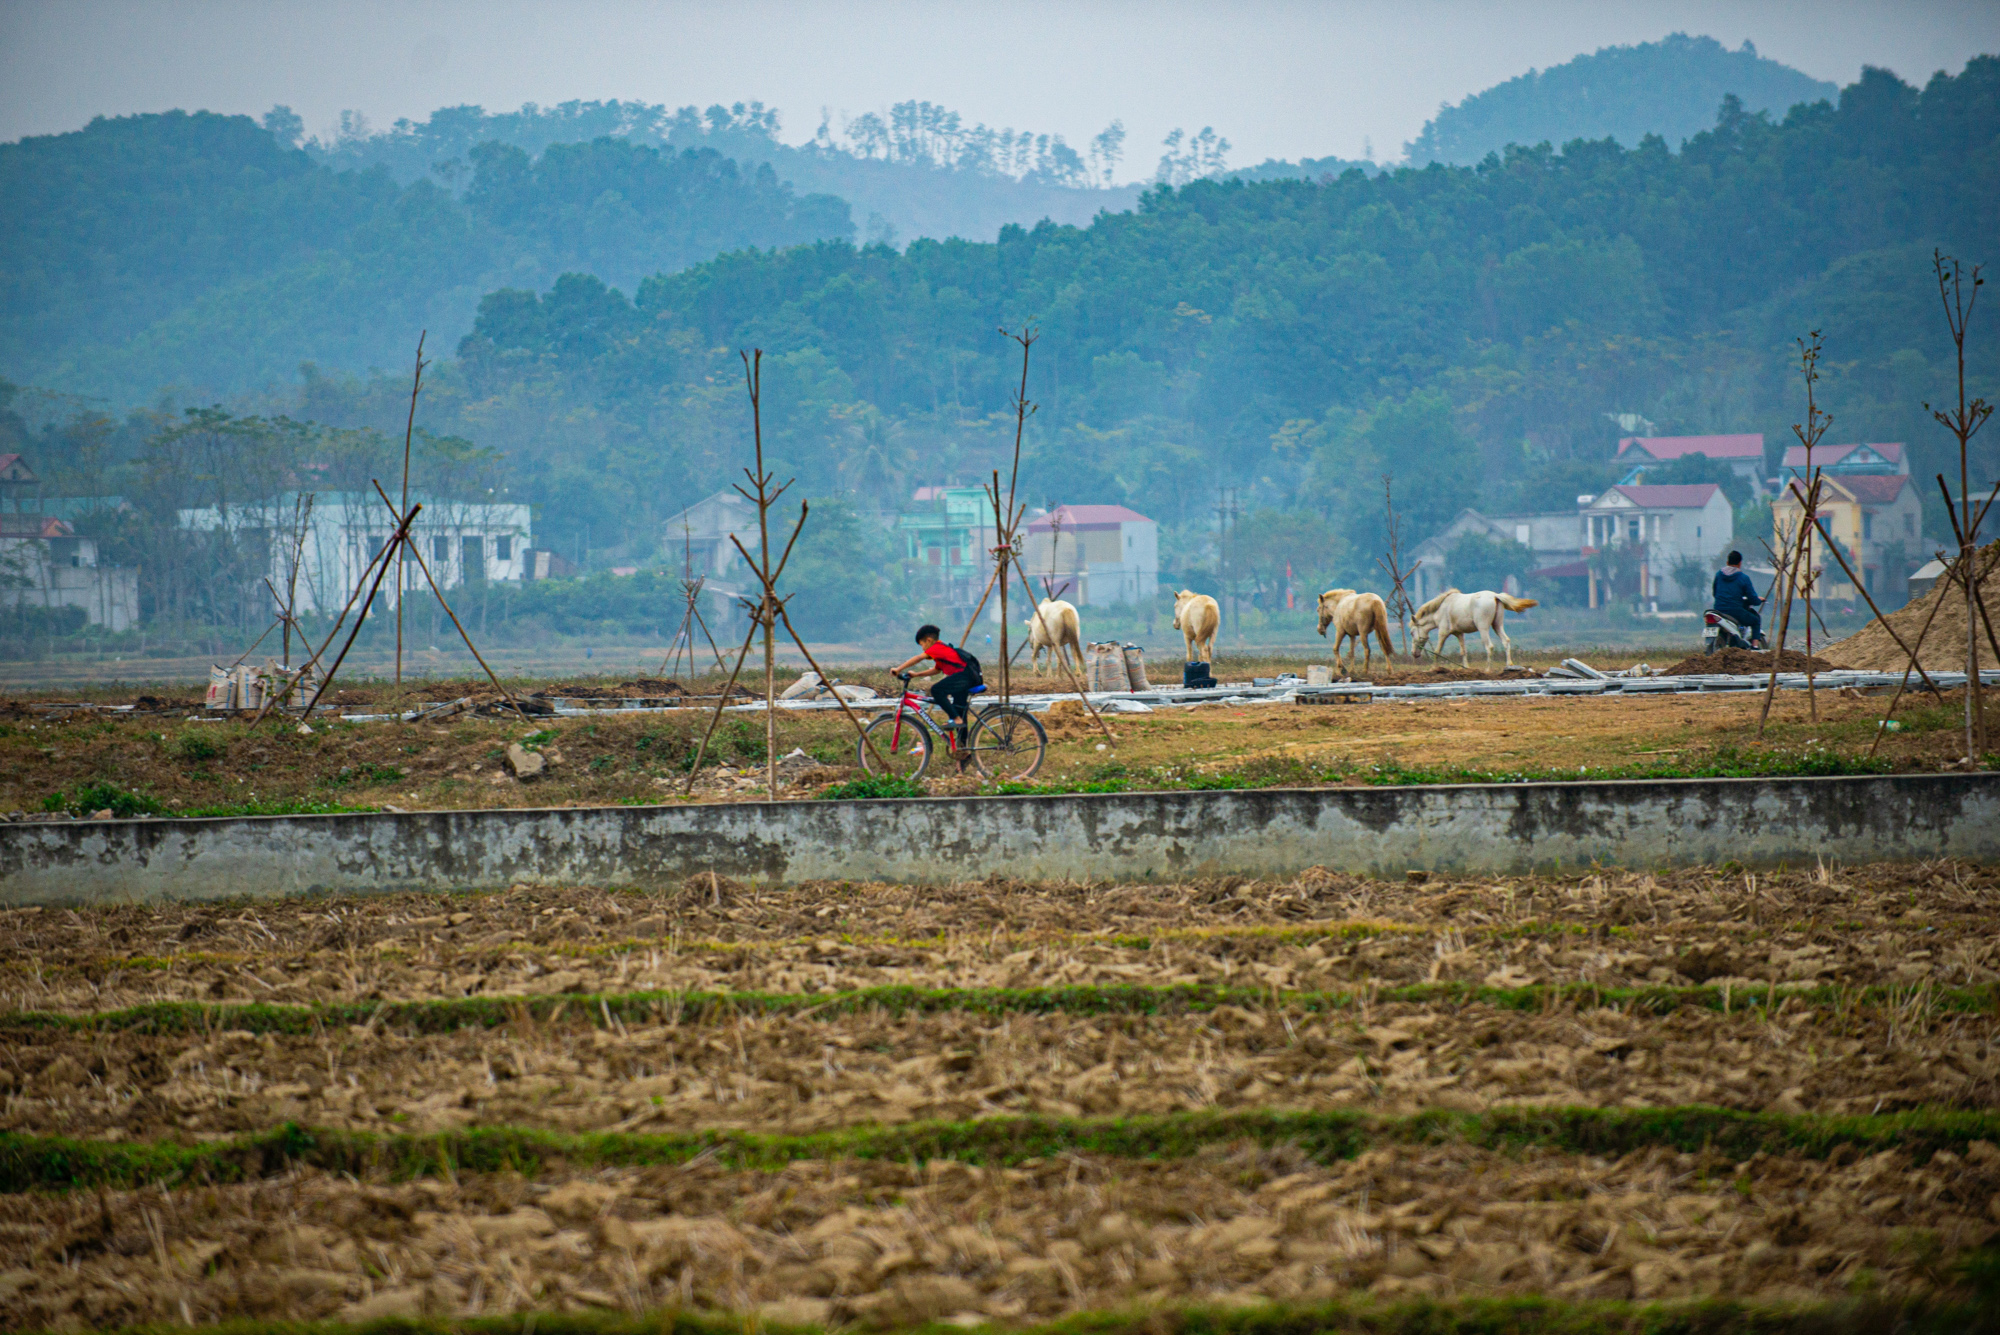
[1278, 78]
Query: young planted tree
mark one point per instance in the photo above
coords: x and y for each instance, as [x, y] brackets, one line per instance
[1392, 565]
[1795, 568]
[1964, 421]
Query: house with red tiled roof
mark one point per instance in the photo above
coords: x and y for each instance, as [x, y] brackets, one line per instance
[1742, 454]
[1104, 554]
[1870, 460]
[1657, 529]
[1875, 517]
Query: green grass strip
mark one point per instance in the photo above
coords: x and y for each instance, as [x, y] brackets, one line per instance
[1931, 1315]
[447, 1014]
[56, 1163]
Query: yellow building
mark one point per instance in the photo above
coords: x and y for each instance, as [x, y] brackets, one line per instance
[1876, 519]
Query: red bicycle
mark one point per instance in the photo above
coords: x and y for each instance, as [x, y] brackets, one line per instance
[1001, 741]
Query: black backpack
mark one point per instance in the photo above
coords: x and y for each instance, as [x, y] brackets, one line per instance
[971, 663]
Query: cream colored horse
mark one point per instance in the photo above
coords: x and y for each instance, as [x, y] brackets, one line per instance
[1054, 626]
[1455, 613]
[1353, 616]
[1197, 617]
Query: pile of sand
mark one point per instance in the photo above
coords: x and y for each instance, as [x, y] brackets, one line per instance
[1943, 649]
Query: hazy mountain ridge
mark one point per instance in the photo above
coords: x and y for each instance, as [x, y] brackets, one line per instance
[917, 172]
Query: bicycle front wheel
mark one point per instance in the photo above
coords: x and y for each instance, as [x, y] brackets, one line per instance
[1008, 744]
[895, 755]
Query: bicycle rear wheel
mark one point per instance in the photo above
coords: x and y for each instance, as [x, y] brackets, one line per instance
[1008, 744]
[906, 756]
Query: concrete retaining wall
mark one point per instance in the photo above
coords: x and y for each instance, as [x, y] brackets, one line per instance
[1483, 828]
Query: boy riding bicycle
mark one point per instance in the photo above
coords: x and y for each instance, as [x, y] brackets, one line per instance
[961, 673]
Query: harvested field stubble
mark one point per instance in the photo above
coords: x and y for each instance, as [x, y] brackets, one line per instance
[1199, 1057]
[777, 1073]
[897, 1244]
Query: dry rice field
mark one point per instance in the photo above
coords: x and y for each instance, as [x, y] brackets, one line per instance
[1773, 1096]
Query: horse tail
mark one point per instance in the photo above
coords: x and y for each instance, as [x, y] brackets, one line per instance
[1513, 604]
[1381, 618]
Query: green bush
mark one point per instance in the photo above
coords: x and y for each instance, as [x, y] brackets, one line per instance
[872, 785]
[101, 796]
[194, 747]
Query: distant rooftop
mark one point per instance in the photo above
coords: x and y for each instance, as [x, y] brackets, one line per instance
[1087, 516]
[1663, 448]
[1668, 495]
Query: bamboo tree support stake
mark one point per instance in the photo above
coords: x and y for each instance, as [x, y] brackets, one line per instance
[409, 428]
[1964, 423]
[1397, 575]
[980, 606]
[1003, 556]
[742, 655]
[1799, 568]
[317, 654]
[1879, 618]
[1003, 539]
[777, 604]
[1075, 685]
[721, 702]
[1902, 686]
[401, 535]
[1957, 577]
[859, 730]
[1790, 568]
[424, 566]
[764, 498]
[1969, 569]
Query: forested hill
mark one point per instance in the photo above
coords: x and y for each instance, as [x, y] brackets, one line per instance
[1670, 88]
[196, 251]
[1468, 330]
[918, 171]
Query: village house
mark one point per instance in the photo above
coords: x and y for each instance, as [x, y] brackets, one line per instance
[697, 540]
[1742, 454]
[1872, 460]
[1099, 555]
[1877, 520]
[45, 563]
[462, 542]
[1664, 525]
[947, 539]
[1550, 539]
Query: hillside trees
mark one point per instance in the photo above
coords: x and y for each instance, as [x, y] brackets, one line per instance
[1468, 329]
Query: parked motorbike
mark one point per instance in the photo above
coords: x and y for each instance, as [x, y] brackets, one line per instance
[1719, 630]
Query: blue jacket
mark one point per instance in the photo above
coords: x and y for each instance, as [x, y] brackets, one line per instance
[1735, 594]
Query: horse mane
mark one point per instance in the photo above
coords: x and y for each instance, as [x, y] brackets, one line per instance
[1435, 603]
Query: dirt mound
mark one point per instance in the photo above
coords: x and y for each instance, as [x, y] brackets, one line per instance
[1943, 650]
[653, 686]
[1420, 674]
[1746, 662]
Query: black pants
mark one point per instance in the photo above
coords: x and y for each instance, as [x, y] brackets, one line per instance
[950, 694]
[1752, 624]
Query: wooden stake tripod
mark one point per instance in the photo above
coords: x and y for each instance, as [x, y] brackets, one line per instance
[691, 587]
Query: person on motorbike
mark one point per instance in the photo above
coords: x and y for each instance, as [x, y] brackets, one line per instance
[1736, 598]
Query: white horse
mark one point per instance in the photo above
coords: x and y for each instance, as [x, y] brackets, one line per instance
[1455, 613]
[1197, 617]
[1054, 626]
[1353, 616]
